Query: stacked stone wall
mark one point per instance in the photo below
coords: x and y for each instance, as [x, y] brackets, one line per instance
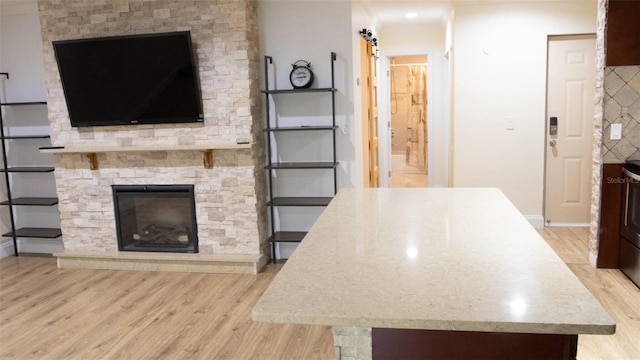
[229, 197]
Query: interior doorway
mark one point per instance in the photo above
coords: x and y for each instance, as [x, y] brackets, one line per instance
[409, 119]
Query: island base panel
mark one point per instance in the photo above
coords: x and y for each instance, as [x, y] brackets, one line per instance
[436, 344]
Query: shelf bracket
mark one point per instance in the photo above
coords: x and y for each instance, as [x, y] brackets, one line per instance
[207, 158]
[93, 161]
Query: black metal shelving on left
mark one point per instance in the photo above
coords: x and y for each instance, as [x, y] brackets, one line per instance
[277, 235]
[7, 169]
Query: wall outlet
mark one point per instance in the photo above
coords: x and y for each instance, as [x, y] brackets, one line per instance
[616, 132]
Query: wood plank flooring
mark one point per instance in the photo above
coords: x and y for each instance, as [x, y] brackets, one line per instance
[617, 294]
[51, 313]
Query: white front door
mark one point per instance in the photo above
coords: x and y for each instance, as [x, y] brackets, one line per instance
[570, 121]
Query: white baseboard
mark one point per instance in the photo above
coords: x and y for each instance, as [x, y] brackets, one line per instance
[6, 249]
[537, 221]
[30, 245]
[561, 224]
[284, 250]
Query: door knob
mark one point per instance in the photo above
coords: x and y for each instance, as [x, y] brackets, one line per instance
[552, 143]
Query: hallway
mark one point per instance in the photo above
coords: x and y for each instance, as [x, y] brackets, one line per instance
[409, 118]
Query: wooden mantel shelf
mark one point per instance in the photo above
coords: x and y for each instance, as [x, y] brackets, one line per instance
[91, 151]
[104, 149]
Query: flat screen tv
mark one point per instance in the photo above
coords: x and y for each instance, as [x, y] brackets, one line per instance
[128, 80]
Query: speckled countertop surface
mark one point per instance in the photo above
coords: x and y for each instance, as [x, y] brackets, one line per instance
[441, 259]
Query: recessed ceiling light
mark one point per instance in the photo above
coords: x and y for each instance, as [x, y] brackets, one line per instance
[410, 15]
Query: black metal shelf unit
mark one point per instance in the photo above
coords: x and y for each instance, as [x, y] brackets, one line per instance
[277, 235]
[25, 232]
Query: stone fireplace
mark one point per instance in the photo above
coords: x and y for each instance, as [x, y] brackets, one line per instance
[221, 158]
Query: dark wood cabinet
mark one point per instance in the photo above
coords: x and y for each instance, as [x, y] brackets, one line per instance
[610, 215]
[439, 344]
[623, 33]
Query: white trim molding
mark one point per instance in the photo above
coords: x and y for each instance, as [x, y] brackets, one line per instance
[564, 224]
[537, 221]
[6, 249]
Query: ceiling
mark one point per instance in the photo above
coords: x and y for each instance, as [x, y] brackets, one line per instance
[390, 12]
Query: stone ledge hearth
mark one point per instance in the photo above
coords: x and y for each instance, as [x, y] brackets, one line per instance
[146, 261]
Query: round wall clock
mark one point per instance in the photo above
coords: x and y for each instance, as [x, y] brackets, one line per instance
[301, 77]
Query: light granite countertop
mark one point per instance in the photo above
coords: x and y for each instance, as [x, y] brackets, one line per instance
[440, 259]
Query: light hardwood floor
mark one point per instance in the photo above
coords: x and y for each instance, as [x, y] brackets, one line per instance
[617, 294]
[51, 313]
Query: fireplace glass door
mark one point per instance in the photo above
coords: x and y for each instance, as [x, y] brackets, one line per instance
[155, 218]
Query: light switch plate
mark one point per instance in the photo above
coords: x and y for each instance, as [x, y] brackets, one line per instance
[616, 132]
[511, 123]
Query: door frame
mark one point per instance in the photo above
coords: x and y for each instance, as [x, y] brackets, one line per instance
[384, 116]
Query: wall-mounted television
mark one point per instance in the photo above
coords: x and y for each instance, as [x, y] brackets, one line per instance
[128, 80]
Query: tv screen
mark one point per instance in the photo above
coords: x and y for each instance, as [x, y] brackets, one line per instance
[124, 80]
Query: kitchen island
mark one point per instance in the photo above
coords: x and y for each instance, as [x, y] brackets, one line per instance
[440, 273]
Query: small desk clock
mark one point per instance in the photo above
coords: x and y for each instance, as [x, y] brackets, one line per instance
[301, 77]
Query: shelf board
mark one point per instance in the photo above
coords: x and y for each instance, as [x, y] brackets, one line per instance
[43, 233]
[302, 165]
[29, 169]
[301, 128]
[24, 103]
[137, 148]
[90, 151]
[20, 137]
[32, 201]
[287, 236]
[294, 91]
[300, 201]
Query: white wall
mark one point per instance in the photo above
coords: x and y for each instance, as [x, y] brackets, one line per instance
[500, 71]
[311, 30]
[419, 39]
[21, 51]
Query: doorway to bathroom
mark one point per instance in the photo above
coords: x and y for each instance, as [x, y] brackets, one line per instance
[409, 117]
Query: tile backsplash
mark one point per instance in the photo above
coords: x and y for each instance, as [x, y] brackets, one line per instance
[622, 106]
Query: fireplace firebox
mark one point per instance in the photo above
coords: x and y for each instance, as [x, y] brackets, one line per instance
[158, 218]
